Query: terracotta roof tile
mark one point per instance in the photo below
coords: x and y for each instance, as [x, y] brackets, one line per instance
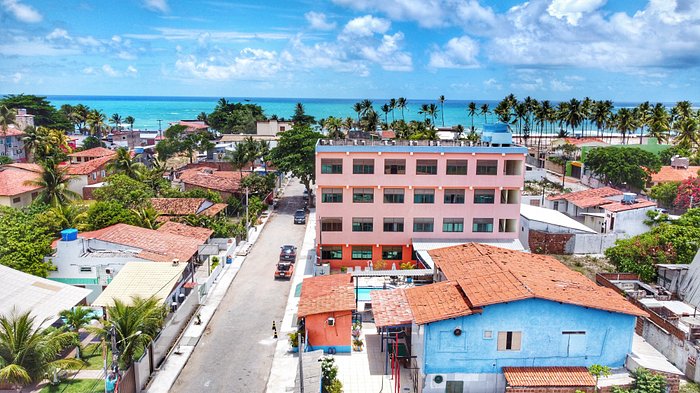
[94, 153]
[323, 294]
[201, 234]
[619, 206]
[26, 166]
[390, 308]
[588, 198]
[669, 174]
[215, 209]
[490, 275]
[14, 178]
[438, 301]
[86, 168]
[548, 377]
[177, 206]
[11, 131]
[227, 181]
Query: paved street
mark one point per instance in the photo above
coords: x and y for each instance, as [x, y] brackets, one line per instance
[235, 354]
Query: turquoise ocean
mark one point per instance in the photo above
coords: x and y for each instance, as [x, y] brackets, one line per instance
[148, 110]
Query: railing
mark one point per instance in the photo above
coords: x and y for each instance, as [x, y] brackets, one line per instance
[398, 142]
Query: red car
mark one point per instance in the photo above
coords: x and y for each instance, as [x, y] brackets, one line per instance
[284, 270]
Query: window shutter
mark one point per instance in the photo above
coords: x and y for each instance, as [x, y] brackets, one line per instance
[502, 341]
[517, 336]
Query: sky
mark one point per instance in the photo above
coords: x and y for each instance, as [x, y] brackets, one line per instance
[624, 50]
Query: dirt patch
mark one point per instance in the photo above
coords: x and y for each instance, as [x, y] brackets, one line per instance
[586, 265]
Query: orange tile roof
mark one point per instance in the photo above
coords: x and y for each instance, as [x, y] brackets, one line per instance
[669, 174]
[11, 131]
[159, 246]
[27, 166]
[227, 181]
[201, 234]
[587, 198]
[95, 152]
[214, 210]
[177, 206]
[548, 377]
[86, 168]
[490, 275]
[390, 308]
[620, 207]
[14, 178]
[438, 301]
[199, 125]
[324, 294]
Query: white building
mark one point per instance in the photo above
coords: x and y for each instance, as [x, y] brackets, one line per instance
[547, 222]
[272, 127]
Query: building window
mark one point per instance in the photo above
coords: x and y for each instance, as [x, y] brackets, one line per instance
[362, 224]
[453, 225]
[362, 167]
[423, 196]
[454, 196]
[94, 175]
[555, 205]
[392, 253]
[86, 269]
[393, 195]
[510, 197]
[487, 167]
[488, 334]
[456, 167]
[16, 200]
[484, 196]
[394, 167]
[363, 195]
[426, 167]
[103, 173]
[512, 167]
[393, 225]
[422, 225]
[35, 195]
[362, 252]
[509, 341]
[507, 225]
[331, 252]
[332, 166]
[332, 195]
[482, 225]
[332, 224]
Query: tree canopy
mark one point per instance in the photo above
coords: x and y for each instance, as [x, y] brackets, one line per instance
[45, 114]
[24, 242]
[296, 153]
[621, 166]
[235, 118]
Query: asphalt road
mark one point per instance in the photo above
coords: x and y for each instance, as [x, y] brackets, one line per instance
[235, 353]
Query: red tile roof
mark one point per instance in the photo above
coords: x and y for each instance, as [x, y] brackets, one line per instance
[14, 178]
[669, 174]
[226, 181]
[11, 131]
[214, 210]
[620, 207]
[26, 166]
[435, 302]
[201, 234]
[390, 308]
[548, 377]
[159, 246]
[490, 275]
[198, 125]
[177, 206]
[587, 198]
[583, 141]
[324, 294]
[86, 168]
[94, 153]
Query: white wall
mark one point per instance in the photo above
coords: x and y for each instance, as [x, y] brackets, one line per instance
[630, 222]
[24, 199]
[473, 383]
[77, 183]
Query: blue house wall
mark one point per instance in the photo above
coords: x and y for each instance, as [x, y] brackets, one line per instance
[607, 339]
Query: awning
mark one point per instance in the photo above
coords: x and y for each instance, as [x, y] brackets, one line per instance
[143, 279]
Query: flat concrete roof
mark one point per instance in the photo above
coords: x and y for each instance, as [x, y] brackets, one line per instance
[552, 217]
[44, 298]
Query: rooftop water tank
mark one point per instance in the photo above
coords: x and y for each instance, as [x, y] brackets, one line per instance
[629, 197]
[68, 235]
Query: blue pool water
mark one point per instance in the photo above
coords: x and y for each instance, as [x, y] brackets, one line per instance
[363, 293]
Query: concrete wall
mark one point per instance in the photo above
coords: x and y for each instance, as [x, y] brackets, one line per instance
[540, 242]
[77, 183]
[25, 199]
[593, 244]
[607, 339]
[322, 336]
[533, 173]
[630, 222]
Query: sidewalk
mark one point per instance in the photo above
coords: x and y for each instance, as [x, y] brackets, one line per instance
[163, 378]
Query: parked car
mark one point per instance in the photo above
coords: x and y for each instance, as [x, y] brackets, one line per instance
[300, 216]
[285, 269]
[288, 253]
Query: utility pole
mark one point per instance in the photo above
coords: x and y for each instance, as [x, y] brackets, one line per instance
[247, 218]
[159, 129]
[301, 364]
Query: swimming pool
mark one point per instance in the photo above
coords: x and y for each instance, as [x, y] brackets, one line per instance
[363, 293]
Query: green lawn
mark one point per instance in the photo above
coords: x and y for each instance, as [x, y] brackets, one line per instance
[76, 386]
[92, 354]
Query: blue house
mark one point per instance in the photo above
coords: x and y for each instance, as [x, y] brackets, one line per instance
[496, 308]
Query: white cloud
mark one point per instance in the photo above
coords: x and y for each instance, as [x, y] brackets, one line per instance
[459, 52]
[573, 10]
[126, 55]
[178, 34]
[131, 70]
[22, 12]
[318, 21]
[248, 64]
[89, 71]
[557, 85]
[493, 84]
[366, 26]
[388, 54]
[58, 34]
[109, 71]
[157, 5]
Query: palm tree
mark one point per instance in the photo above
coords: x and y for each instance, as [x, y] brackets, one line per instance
[625, 122]
[116, 119]
[334, 126]
[28, 352]
[401, 103]
[96, 120]
[586, 111]
[503, 111]
[520, 114]
[357, 107]
[238, 158]
[33, 138]
[424, 109]
[386, 109]
[71, 215]
[471, 110]
[7, 117]
[370, 120]
[202, 116]
[392, 105]
[442, 109]
[130, 121]
[642, 113]
[134, 325]
[54, 183]
[125, 164]
[687, 134]
[573, 115]
[485, 111]
[659, 123]
[146, 217]
[80, 114]
[75, 319]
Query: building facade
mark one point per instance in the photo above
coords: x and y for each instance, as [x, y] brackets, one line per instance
[372, 200]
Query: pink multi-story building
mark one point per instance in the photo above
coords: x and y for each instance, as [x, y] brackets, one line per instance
[375, 199]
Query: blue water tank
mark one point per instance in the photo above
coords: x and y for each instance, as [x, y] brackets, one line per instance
[138, 150]
[68, 235]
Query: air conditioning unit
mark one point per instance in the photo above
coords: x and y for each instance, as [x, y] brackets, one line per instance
[331, 321]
